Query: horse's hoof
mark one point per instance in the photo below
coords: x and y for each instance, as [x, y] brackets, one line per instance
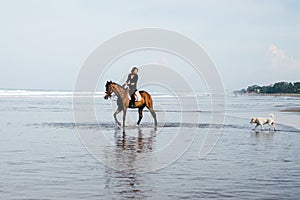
[118, 124]
[137, 125]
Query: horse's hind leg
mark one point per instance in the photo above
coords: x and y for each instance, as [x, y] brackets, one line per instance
[140, 115]
[149, 105]
[115, 116]
[153, 114]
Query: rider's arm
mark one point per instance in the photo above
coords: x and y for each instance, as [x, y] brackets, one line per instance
[128, 79]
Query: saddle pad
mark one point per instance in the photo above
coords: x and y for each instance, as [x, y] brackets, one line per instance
[137, 96]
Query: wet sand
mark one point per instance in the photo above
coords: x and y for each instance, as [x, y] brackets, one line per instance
[42, 156]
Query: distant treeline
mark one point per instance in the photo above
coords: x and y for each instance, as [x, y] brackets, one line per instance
[277, 88]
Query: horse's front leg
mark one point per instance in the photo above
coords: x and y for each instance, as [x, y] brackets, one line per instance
[115, 116]
[124, 116]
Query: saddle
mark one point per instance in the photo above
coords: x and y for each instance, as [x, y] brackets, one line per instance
[137, 96]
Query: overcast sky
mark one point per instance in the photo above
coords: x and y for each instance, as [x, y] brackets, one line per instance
[44, 43]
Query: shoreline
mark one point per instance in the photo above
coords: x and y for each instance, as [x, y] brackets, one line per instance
[271, 95]
[292, 109]
[287, 109]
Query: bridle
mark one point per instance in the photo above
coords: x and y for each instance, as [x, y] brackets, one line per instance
[109, 90]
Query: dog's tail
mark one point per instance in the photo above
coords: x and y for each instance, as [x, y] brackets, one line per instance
[272, 116]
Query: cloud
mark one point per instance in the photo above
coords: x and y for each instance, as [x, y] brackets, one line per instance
[279, 59]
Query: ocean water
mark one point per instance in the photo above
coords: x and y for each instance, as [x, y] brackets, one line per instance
[43, 157]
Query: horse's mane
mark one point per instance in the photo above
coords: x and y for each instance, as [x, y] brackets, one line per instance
[117, 84]
[111, 82]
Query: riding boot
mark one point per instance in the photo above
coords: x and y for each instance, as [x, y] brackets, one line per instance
[132, 102]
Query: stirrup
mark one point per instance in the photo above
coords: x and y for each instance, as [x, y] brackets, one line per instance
[132, 105]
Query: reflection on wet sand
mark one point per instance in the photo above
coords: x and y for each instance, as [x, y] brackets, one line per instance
[264, 134]
[128, 183]
[134, 144]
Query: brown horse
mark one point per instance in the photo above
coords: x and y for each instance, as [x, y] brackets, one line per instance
[123, 101]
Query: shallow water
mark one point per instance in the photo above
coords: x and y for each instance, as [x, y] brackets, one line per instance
[42, 156]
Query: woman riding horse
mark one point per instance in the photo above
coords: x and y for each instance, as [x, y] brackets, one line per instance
[123, 101]
[131, 82]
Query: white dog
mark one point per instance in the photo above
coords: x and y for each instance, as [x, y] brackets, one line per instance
[262, 121]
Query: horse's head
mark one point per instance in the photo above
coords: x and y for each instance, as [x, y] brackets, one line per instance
[108, 89]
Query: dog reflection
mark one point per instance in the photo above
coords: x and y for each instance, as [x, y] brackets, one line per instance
[264, 134]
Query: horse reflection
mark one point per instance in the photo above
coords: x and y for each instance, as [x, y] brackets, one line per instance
[137, 144]
[127, 183]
